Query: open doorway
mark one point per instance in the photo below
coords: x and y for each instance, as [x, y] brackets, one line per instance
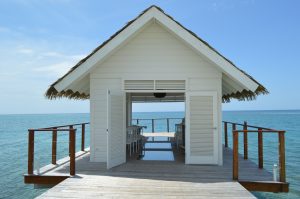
[158, 119]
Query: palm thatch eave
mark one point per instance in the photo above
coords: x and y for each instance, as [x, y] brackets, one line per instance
[244, 95]
[52, 94]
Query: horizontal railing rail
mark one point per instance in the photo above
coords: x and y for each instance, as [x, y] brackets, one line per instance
[249, 126]
[260, 131]
[67, 125]
[153, 122]
[55, 129]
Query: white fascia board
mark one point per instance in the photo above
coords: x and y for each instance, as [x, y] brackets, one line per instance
[225, 66]
[233, 84]
[92, 61]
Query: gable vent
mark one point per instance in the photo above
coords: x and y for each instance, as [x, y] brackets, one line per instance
[170, 85]
[154, 85]
[139, 85]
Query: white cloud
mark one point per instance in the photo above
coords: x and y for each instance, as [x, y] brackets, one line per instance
[52, 54]
[62, 55]
[26, 51]
[60, 68]
[50, 63]
[57, 69]
[8, 75]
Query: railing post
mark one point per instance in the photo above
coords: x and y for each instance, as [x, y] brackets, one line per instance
[260, 149]
[72, 150]
[168, 128]
[152, 125]
[30, 151]
[82, 136]
[282, 177]
[245, 127]
[235, 164]
[226, 134]
[54, 145]
[233, 127]
[137, 121]
[70, 127]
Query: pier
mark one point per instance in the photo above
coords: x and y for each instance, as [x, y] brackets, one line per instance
[76, 176]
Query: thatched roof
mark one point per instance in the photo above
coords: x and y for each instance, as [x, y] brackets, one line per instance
[52, 93]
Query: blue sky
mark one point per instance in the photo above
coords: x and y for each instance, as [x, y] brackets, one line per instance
[41, 40]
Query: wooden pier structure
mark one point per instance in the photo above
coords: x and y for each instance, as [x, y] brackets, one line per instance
[76, 177]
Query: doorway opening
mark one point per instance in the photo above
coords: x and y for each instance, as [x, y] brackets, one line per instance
[157, 120]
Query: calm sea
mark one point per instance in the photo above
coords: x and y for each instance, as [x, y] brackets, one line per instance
[13, 144]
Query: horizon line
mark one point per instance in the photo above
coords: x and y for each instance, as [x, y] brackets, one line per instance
[146, 112]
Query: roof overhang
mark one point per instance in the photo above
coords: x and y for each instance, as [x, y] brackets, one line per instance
[246, 83]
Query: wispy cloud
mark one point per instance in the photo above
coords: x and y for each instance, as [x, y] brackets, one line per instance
[54, 54]
[9, 75]
[59, 68]
[26, 51]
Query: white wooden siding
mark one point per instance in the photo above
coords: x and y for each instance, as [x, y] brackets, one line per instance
[153, 54]
[156, 54]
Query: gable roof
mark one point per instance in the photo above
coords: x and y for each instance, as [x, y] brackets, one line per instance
[252, 88]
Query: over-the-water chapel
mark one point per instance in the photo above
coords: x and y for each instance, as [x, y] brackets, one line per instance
[154, 58]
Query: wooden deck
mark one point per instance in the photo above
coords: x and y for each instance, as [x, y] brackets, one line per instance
[151, 179]
[145, 175]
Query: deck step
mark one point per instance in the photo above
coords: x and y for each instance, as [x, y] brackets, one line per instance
[44, 179]
[266, 186]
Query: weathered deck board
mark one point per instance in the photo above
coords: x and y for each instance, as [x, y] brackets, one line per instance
[155, 179]
[120, 187]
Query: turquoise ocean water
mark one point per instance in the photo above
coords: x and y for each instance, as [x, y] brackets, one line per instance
[13, 143]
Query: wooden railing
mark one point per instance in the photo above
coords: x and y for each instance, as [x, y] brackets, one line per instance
[260, 131]
[55, 129]
[153, 122]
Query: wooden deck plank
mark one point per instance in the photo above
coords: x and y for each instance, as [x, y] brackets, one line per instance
[155, 179]
[119, 187]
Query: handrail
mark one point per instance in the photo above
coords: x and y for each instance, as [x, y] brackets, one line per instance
[263, 131]
[259, 131]
[250, 126]
[61, 126]
[47, 129]
[55, 130]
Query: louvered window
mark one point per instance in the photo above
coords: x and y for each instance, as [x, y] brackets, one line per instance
[170, 84]
[154, 85]
[139, 84]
